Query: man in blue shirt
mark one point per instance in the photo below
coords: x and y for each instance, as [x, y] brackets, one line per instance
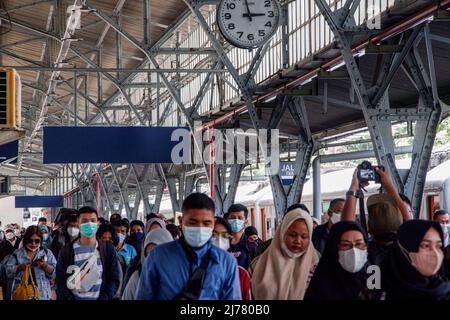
[168, 267]
[125, 250]
[237, 218]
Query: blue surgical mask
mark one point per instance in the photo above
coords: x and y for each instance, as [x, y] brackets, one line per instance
[139, 236]
[236, 225]
[88, 229]
[197, 236]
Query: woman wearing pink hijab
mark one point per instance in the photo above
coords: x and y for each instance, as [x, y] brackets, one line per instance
[284, 270]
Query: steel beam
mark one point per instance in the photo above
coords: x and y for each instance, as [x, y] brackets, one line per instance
[225, 198]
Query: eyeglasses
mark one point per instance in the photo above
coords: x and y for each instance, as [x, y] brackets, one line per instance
[222, 235]
[344, 246]
[36, 241]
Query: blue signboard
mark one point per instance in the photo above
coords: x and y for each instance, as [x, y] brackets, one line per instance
[39, 202]
[9, 151]
[287, 172]
[111, 144]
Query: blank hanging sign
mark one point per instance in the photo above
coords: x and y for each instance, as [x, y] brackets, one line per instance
[112, 144]
[39, 201]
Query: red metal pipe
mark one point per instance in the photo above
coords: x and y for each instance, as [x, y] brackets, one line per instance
[385, 34]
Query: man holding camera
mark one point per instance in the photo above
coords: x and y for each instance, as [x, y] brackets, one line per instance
[387, 211]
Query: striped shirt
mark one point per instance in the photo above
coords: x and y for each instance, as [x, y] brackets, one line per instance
[83, 253]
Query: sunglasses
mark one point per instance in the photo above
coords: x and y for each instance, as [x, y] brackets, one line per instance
[36, 241]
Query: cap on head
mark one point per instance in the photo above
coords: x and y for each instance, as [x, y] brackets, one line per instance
[384, 215]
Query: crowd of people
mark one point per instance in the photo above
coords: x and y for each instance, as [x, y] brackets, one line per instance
[86, 257]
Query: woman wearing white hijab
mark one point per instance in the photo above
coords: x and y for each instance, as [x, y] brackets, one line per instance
[154, 238]
[284, 270]
[154, 223]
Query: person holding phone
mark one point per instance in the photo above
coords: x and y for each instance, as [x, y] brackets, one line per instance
[42, 262]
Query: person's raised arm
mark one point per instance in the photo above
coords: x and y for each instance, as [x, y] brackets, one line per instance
[392, 191]
[349, 211]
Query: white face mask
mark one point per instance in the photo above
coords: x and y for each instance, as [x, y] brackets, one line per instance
[352, 260]
[17, 232]
[73, 232]
[221, 242]
[32, 249]
[121, 238]
[45, 236]
[336, 217]
[289, 253]
[445, 230]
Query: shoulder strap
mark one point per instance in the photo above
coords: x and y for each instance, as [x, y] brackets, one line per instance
[104, 253]
[195, 282]
[67, 253]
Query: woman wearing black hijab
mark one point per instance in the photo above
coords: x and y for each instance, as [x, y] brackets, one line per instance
[412, 269]
[341, 272]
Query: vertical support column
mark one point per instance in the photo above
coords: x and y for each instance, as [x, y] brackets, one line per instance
[119, 45]
[158, 197]
[428, 104]
[147, 22]
[285, 36]
[172, 186]
[381, 140]
[99, 78]
[285, 196]
[75, 96]
[317, 198]
[425, 131]
[224, 197]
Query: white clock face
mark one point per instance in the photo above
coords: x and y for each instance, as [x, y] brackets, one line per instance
[248, 23]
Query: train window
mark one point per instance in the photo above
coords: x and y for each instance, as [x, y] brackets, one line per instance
[433, 204]
[325, 206]
[268, 228]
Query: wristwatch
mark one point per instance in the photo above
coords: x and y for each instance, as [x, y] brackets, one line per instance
[352, 193]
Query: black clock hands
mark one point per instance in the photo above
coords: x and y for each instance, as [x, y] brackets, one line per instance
[246, 15]
[249, 15]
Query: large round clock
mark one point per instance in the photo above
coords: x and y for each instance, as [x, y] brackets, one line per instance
[248, 23]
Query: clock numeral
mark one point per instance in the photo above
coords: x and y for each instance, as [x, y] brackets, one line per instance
[261, 33]
[231, 26]
[227, 16]
[251, 37]
[240, 33]
[268, 24]
[271, 14]
[267, 3]
[231, 6]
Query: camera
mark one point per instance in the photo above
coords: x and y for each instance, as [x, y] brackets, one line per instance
[366, 172]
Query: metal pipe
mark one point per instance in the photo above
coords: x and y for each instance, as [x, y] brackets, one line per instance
[389, 32]
[119, 70]
[317, 199]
